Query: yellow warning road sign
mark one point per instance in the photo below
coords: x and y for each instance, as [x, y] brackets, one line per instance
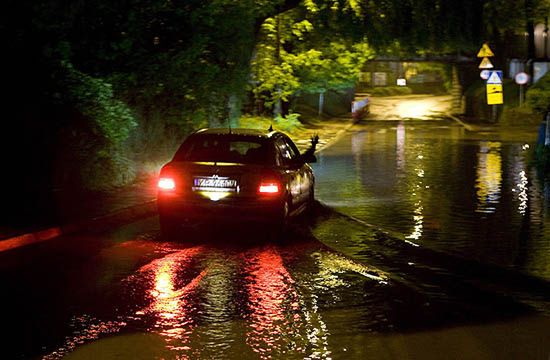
[486, 64]
[485, 51]
[495, 94]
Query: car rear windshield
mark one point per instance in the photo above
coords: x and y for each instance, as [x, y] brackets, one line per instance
[225, 148]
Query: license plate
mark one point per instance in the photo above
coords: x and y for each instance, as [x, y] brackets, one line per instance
[214, 183]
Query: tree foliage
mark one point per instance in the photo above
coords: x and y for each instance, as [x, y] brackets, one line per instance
[538, 96]
[173, 65]
[294, 56]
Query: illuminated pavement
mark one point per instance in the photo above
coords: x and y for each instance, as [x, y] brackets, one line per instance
[419, 107]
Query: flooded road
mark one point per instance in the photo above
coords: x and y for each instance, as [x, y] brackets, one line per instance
[127, 294]
[439, 250]
[473, 195]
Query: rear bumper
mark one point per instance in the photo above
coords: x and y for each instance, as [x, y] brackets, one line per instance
[266, 211]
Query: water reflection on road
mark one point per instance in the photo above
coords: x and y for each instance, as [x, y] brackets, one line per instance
[298, 299]
[467, 194]
[333, 288]
[253, 301]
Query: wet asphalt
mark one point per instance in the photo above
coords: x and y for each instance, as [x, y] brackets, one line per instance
[331, 288]
[334, 287]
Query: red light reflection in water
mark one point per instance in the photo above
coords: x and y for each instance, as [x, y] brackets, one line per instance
[171, 305]
[273, 303]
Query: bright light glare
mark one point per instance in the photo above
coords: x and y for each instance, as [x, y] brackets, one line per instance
[215, 195]
[166, 184]
[269, 188]
[413, 109]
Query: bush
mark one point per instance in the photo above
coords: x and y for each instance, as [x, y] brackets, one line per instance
[538, 96]
[519, 116]
[288, 124]
[538, 99]
[92, 153]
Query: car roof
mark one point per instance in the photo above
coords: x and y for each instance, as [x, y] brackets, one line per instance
[237, 132]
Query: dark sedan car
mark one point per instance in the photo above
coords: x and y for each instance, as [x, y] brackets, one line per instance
[235, 176]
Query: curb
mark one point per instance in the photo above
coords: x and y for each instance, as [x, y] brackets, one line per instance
[503, 279]
[462, 123]
[98, 223]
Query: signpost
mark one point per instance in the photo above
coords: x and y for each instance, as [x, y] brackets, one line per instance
[521, 79]
[486, 64]
[495, 94]
[484, 74]
[494, 78]
[494, 88]
[485, 52]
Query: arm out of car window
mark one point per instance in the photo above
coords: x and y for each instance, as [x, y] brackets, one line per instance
[309, 155]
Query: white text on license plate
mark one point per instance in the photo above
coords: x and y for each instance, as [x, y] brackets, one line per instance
[208, 183]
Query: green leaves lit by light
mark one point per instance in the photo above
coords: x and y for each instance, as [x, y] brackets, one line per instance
[354, 6]
[311, 6]
[300, 28]
[94, 98]
[334, 67]
[293, 57]
[349, 6]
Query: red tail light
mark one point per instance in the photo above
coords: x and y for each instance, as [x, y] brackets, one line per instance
[269, 187]
[166, 184]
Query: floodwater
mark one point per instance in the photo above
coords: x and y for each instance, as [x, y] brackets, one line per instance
[332, 288]
[298, 299]
[473, 195]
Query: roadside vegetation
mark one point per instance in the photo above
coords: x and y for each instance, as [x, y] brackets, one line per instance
[538, 98]
[102, 92]
[530, 113]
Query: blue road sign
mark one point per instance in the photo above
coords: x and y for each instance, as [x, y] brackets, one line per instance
[495, 77]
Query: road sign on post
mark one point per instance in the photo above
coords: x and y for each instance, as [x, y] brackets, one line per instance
[486, 64]
[485, 51]
[521, 79]
[494, 94]
[495, 77]
[494, 88]
[484, 74]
